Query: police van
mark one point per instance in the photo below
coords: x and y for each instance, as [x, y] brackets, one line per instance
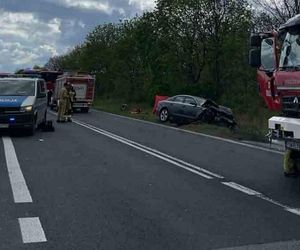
[23, 103]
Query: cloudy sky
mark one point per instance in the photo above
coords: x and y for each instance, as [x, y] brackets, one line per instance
[33, 30]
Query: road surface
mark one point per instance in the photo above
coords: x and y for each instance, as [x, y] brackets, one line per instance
[108, 182]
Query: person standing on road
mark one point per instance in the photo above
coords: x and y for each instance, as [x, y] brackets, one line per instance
[69, 108]
[62, 104]
[72, 94]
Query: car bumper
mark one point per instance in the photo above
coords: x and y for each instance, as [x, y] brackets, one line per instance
[24, 120]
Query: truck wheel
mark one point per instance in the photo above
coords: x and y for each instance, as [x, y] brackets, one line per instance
[84, 110]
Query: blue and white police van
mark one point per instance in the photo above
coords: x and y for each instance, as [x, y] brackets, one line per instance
[23, 103]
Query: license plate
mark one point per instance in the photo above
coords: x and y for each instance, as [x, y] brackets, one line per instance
[4, 125]
[293, 145]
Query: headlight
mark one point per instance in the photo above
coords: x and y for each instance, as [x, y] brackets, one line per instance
[26, 109]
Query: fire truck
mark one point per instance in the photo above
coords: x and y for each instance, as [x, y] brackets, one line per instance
[276, 55]
[84, 86]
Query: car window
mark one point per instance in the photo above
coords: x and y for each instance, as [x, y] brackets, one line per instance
[189, 100]
[179, 99]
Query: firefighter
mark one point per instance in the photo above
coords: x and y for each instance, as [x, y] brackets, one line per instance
[69, 109]
[63, 102]
[72, 94]
[291, 164]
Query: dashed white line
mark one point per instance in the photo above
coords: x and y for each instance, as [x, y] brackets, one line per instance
[20, 190]
[32, 230]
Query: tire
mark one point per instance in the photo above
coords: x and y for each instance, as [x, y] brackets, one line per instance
[31, 131]
[85, 110]
[164, 115]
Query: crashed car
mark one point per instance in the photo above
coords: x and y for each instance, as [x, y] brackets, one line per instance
[185, 108]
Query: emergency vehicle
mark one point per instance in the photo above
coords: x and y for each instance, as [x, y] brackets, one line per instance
[276, 54]
[84, 86]
[23, 102]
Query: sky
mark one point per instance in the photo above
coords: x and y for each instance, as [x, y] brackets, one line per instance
[34, 30]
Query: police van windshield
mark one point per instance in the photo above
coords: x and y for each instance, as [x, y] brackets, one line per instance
[290, 55]
[17, 87]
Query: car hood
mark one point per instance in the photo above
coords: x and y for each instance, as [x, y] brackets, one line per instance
[225, 109]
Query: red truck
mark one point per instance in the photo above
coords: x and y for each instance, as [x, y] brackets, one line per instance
[84, 86]
[276, 55]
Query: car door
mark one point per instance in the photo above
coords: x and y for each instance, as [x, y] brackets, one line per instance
[176, 106]
[41, 100]
[190, 107]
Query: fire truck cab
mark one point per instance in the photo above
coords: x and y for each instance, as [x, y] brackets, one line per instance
[276, 55]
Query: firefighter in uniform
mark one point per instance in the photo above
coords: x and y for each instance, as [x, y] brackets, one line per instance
[69, 107]
[63, 102]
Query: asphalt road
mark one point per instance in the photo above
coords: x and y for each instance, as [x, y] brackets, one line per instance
[107, 182]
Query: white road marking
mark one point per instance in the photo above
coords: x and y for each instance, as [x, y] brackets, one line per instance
[241, 188]
[20, 190]
[127, 142]
[190, 167]
[152, 150]
[32, 230]
[294, 211]
[195, 133]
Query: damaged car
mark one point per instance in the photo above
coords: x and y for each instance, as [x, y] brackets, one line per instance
[185, 109]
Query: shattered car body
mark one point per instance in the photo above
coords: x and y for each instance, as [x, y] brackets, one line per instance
[185, 108]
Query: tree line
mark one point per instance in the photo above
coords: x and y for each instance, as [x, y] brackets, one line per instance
[197, 47]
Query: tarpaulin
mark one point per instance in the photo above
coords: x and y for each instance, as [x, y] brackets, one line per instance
[157, 99]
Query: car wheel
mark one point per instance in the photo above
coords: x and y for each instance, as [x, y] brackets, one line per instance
[164, 115]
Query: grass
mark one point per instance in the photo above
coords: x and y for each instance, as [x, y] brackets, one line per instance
[252, 126]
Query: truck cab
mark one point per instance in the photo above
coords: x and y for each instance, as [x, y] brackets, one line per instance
[23, 103]
[276, 55]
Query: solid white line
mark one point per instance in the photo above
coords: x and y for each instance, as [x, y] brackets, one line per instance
[241, 188]
[20, 190]
[194, 133]
[152, 150]
[32, 230]
[143, 150]
[293, 210]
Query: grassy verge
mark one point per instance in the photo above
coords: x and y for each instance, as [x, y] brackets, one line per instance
[251, 126]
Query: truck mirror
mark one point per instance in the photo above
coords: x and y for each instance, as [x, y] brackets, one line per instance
[255, 40]
[255, 58]
[268, 57]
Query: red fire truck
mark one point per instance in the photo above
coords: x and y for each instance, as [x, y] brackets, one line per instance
[277, 56]
[84, 86]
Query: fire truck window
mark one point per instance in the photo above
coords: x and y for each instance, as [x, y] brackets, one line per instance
[268, 54]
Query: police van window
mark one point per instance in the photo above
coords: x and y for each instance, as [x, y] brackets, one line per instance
[42, 88]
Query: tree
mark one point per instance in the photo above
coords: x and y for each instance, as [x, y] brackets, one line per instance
[281, 10]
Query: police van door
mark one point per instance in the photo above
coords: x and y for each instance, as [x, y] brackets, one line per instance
[41, 101]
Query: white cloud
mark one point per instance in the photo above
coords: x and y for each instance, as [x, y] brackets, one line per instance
[25, 39]
[143, 4]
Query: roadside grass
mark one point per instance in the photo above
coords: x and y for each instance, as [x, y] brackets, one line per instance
[252, 126]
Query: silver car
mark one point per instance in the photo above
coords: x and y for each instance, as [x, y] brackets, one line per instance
[186, 108]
